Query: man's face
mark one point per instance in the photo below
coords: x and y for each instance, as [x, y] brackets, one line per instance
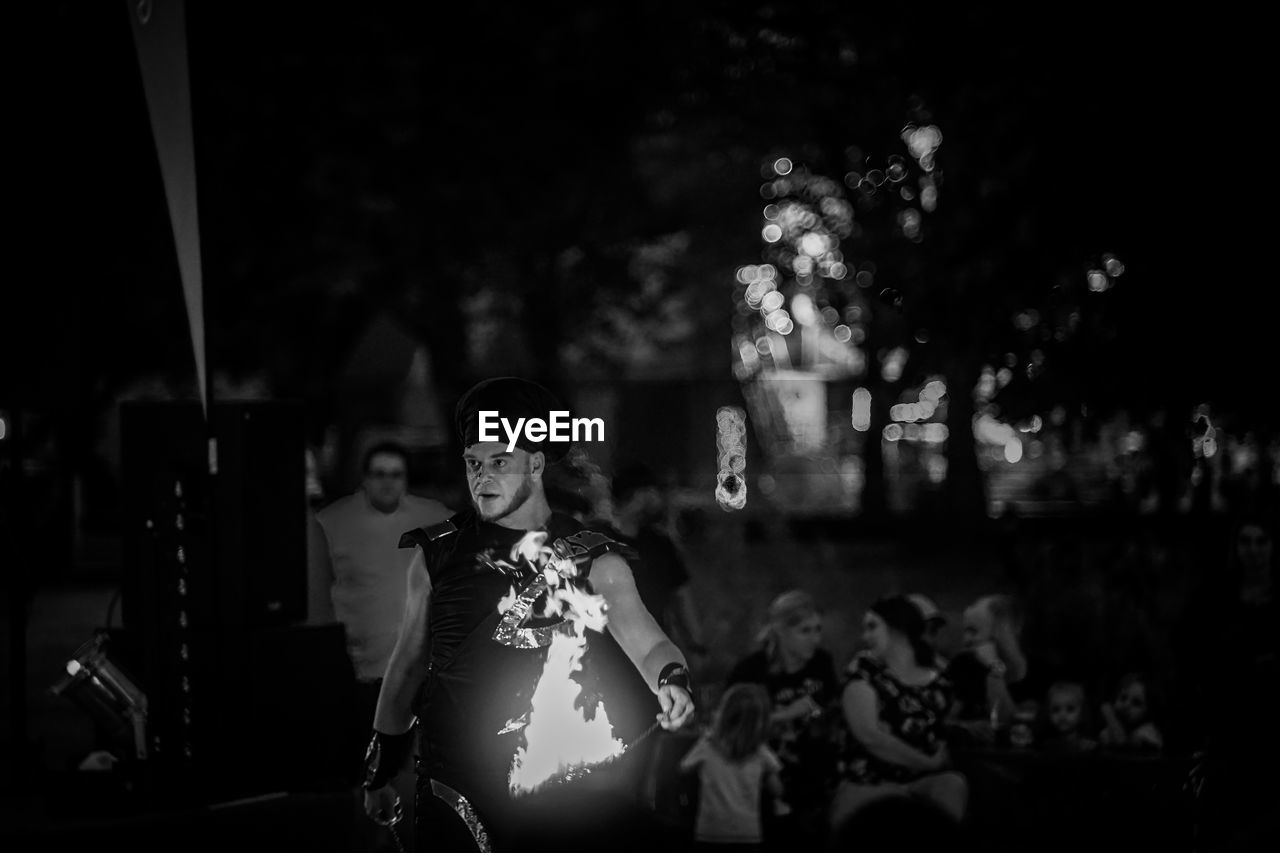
[1064, 711]
[385, 481]
[499, 482]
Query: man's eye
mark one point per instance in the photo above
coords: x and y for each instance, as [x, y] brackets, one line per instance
[501, 463]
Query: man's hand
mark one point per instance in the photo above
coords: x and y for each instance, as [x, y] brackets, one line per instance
[676, 704]
[382, 805]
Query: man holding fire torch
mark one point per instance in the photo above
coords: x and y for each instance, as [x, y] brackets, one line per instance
[486, 600]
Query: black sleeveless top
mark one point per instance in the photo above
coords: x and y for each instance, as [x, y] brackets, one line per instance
[478, 686]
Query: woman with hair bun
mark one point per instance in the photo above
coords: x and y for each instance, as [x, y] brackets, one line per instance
[895, 704]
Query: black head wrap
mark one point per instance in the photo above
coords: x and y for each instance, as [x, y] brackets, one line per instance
[512, 398]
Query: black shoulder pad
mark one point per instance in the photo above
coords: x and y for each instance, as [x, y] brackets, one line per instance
[584, 546]
[423, 536]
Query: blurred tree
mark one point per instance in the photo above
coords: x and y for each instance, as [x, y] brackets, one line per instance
[568, 188]
[1014, 261]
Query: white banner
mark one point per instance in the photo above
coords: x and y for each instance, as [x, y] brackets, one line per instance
[160, 35]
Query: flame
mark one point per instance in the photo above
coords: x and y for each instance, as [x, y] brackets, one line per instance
[580, 607]
[531, 547]
[508, 600]
[559, 739]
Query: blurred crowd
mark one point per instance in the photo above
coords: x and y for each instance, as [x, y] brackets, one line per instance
[1159, 667]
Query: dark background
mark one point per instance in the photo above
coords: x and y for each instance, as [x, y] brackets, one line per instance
[492, 178]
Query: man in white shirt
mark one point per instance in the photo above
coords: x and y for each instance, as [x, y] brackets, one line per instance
[365, 570]
[368, 567]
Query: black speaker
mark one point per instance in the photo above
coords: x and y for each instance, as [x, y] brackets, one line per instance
[260, 511]
[249, 483]
[214, 522]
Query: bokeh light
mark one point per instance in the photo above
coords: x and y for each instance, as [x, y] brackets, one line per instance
[861, 409]
[731, 437]
[921, 141]
[929, 198]
[935, 433]
[1013, 451]
[813, 245]
[892, 365]
[909, 222]
[803, 311]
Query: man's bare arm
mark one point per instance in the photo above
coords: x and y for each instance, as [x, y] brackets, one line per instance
[634, 627]
[639, 635]
[407, 667]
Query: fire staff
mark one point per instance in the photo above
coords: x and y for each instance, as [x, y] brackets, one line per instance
[466, 660]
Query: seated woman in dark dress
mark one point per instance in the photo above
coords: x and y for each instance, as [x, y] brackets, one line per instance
[895, 705]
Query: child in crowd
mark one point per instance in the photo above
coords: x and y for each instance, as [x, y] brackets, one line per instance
[1129, 722]
[1022, 727]
[735, 767]
[799, 675]
[1066, 711]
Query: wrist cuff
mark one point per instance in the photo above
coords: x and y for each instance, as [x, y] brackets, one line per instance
[676, 674]
[385, 757]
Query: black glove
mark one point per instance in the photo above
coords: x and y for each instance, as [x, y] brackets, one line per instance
[385, 757]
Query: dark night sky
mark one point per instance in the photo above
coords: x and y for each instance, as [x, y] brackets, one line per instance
[1145, 129]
